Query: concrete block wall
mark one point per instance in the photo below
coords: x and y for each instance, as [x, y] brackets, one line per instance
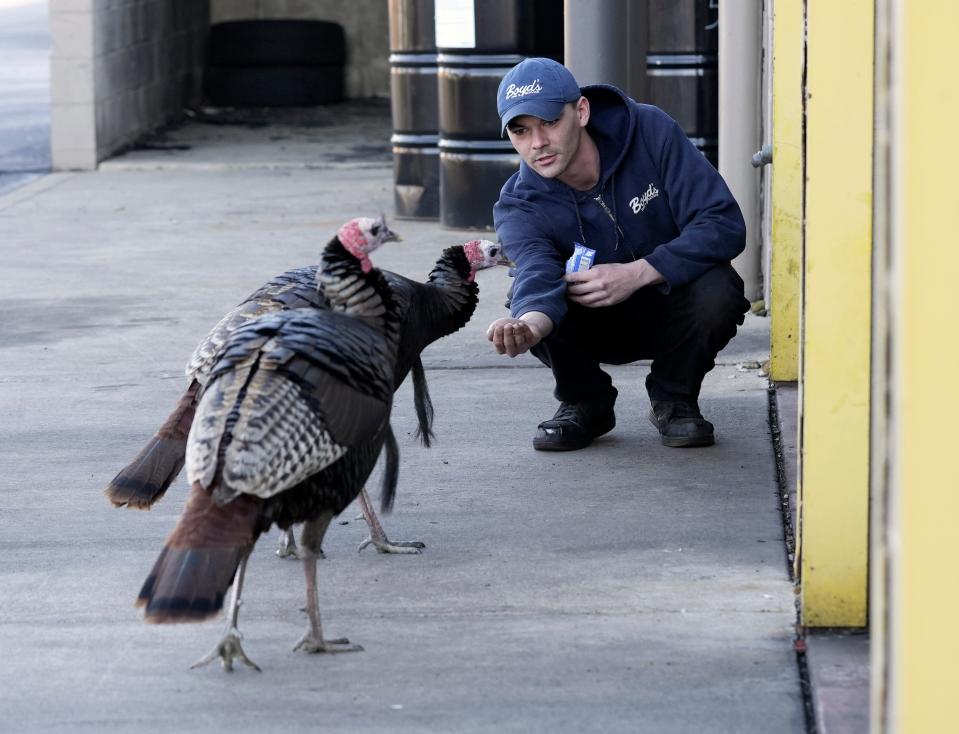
[72, 130]
[119, 69]
[365, 23]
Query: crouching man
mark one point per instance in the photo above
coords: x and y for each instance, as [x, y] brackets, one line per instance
[622, 235]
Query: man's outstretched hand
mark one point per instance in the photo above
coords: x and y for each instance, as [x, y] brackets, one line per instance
[517, 336]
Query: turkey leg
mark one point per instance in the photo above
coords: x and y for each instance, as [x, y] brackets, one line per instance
[229, 647]
[311, 540]
[377, 537]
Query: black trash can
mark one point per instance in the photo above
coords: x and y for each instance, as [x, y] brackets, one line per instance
[682, 68]
[475, 160]
[415, 109]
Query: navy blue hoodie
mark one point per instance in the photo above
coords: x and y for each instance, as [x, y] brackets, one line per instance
[669, 204]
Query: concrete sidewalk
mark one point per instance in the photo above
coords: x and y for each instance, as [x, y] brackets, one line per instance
[624, 588]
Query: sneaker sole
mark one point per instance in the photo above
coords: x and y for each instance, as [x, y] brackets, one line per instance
[539, 445]
[682, 442]
[687, 443]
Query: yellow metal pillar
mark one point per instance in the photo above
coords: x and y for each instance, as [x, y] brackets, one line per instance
[787, 189]
[879, 438]
[836, 314]
[924, 397]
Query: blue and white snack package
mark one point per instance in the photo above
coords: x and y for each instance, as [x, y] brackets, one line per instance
[582, 258]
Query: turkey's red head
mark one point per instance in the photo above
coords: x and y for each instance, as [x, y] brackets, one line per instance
[483, 254]
[362, 235]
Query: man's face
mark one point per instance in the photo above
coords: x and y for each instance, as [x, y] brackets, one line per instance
[548, 146]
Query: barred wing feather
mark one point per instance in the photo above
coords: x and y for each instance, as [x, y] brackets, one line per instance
[293, 392]
[293, 289]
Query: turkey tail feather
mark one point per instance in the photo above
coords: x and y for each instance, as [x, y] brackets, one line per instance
[196, 566]
[188, 585]
[145, 479]
[423, 404]
[391, 471]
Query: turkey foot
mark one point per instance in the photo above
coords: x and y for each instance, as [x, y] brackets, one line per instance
[377, 537]
[385, 545]
[228, 649]
[287, 546]
[313, 644]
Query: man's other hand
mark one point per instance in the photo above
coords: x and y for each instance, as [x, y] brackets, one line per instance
[609, 284]
[517, 336]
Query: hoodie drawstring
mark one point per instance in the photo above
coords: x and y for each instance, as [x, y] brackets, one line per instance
[620, 235]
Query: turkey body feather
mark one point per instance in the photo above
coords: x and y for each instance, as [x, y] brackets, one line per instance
[289, 290]
[291, 394]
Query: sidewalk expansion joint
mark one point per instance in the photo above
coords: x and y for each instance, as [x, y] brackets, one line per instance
[775, 431]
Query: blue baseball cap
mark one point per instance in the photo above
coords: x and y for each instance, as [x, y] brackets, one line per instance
[538, 87]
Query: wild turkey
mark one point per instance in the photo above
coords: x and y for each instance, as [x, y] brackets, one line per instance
[287, 430]
[428, 311]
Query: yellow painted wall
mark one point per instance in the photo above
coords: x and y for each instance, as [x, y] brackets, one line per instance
[925, 398]
[787, 191]
[836, 308]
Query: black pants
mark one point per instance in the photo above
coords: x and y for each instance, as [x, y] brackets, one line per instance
[681, 331]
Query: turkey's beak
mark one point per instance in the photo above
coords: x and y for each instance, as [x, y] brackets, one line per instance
[503, 260]
[388, 235]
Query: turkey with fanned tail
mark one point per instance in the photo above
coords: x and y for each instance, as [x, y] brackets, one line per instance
[287, 429]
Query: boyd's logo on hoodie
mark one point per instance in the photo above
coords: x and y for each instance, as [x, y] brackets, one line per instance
[639, 203]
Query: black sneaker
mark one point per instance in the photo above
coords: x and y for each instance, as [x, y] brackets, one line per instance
[680, 424]
[575, 425]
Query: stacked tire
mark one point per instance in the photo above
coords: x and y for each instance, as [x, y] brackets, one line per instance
[275, 63]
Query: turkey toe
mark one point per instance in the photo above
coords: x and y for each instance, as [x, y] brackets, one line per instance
[311, 644]
[227, 649]
[407, 547]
